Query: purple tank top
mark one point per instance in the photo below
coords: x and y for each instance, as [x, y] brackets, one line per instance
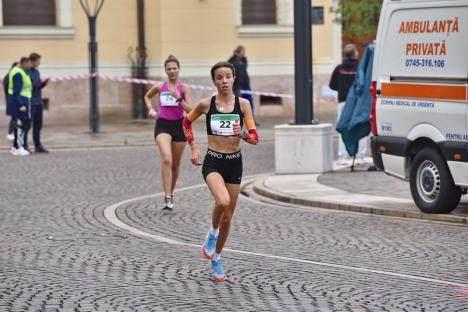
[168, 107]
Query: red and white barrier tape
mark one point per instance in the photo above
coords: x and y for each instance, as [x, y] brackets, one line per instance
[152, 82]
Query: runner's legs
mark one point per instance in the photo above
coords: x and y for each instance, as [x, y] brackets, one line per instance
[225, 196]
[177, 152]
[163, 141]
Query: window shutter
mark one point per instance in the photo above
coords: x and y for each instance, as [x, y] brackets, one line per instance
[258, 12]
[29, 13]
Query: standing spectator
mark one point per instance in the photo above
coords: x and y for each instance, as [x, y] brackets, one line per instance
[19, 104]
[341, 80]
[10, 136]
[37, 107]
[242, 81]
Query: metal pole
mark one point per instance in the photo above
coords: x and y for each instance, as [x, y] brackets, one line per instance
[303, 61]
[92, 15]
[94, 109]
[141, 60]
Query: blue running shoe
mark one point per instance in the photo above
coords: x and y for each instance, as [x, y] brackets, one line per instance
[218, 272]
[209, 246]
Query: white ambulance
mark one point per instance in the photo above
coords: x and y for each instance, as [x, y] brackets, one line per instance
[419, 114]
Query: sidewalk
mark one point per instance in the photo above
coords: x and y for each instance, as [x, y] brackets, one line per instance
[131, 133]
[359, 191]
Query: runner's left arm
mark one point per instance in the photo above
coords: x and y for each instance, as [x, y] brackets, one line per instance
[186, 100]
[251, 136]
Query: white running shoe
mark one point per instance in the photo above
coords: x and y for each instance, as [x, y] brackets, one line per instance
[10, 137]
[13, 151]
[168, 203]
[22, 152]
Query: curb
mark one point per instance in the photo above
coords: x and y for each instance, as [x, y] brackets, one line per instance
[83, 146]
[260, 188]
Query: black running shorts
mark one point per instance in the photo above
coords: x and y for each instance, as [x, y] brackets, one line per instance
[171, 127]
[229, 166]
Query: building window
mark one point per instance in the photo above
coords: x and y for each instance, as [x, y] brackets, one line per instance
[37, 19]
[255, 12]
[28, 13]
[260, 18]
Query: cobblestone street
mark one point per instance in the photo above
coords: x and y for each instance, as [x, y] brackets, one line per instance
[61, 252]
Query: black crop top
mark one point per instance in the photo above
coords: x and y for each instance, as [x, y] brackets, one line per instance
[220, 123]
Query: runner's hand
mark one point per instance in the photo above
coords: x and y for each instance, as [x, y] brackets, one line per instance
[152, 113]
[237, 128]
[22, 109]
[195, 158]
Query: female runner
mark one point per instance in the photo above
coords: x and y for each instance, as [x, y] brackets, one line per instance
[222, 166]
[173, 98]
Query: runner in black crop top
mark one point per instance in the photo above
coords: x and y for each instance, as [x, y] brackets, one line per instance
[222, 167]
[226, 124]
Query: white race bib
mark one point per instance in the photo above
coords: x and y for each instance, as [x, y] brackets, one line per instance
[166, 99]
[221, 124]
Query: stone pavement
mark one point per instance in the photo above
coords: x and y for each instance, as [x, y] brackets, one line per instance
[359, 191]
[60, 253]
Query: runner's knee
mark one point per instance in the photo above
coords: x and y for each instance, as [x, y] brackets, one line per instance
[227, 217]
[166, 160]
[223, 203]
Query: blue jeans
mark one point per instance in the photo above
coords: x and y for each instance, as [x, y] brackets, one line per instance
[249, 97]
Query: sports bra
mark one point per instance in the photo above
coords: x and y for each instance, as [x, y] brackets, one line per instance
[220, 123]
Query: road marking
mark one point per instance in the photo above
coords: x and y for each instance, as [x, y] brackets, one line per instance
[111, 216]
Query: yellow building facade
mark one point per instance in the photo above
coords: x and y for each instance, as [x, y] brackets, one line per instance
[198, 32]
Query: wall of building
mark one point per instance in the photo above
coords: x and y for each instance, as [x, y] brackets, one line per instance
[198, 32]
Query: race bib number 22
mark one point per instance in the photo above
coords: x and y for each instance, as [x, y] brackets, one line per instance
[221, 124]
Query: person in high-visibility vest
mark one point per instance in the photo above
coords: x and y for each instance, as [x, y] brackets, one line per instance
[19, 104]
[9, 136]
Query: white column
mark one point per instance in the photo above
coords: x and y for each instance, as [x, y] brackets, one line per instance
[65, 13]
[239, 12]
[1, 13]
[337, 41]
[284, 12]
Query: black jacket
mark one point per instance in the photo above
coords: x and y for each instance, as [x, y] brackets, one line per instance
[342, 78]
[242, 81]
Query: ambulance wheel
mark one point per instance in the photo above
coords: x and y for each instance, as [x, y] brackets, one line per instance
[432, 184]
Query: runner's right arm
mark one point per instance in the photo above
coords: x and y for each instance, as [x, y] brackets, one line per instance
[188, 132]
[152, 92]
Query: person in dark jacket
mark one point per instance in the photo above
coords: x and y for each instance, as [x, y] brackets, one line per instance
[341, 80]
[36, 104]
[19, 103]
[10, 136]
[241, 85]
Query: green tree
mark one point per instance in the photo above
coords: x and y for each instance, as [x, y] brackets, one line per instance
[359, 19]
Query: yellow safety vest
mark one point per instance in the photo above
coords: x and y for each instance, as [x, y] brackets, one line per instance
[27, 83]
